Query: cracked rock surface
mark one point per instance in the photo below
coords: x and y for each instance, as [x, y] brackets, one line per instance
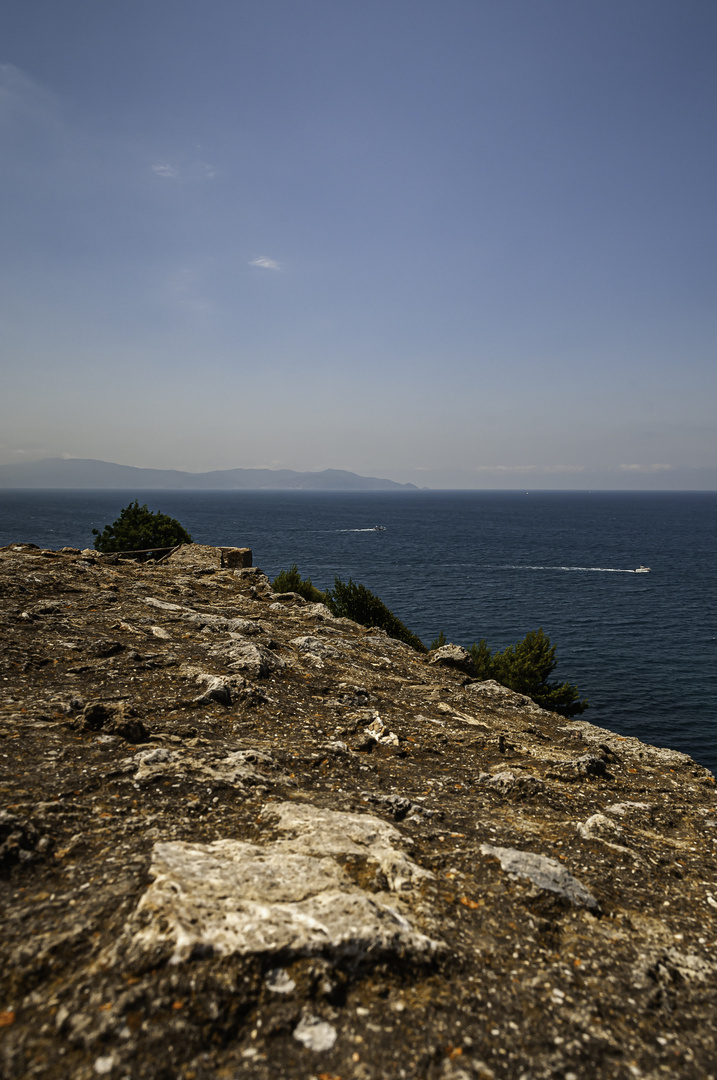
[239, 837]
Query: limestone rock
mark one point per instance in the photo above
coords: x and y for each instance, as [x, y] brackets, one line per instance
[253, 577]
[236, 769]
[231, 897]
[379, 731]
[220, 688]
[544, 872]
[319, 832]
[249, 657]
[519, 785]
[599, 827]
[315, 646]
[314, 1033]
[453, 656]
[490, 692]
[587, 765]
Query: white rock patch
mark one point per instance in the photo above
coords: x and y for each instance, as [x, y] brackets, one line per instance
[315, 1034]
[544, 872]
[315, 831]
[291, 896]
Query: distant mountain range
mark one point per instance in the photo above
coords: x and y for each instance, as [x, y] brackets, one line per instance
[88, 473]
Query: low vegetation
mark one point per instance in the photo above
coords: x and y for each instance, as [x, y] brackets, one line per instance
[526, 668]
[139, 529]
[291, 581]
[350, 600]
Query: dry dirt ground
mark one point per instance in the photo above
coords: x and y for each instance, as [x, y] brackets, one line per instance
[240, 837]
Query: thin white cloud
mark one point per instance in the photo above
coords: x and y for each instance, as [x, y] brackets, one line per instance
[187, 172]
[531, 468]
[266, 264]
[644, 468]
[654, 468]
[163, 168]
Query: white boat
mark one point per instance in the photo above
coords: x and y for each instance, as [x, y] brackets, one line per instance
[642, 569]
[379, 528]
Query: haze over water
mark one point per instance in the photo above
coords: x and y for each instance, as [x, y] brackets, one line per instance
[641, 647]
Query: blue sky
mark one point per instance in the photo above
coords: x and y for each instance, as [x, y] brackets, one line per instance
[462, 244]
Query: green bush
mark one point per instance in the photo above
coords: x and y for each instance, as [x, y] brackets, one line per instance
[291, 581]
[138, 529]
[349, 600]
[526, 668]
[482, 660]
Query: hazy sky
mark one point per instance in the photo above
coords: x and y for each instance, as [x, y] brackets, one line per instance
[466, 243]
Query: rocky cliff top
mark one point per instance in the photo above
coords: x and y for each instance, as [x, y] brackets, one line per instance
[240, 837]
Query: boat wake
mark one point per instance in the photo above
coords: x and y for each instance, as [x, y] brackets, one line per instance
[582, 569]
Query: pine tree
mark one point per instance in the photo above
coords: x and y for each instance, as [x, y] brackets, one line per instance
[291, 581]
[138, 529]
[482, 660]
[527, 667]
[350, 600]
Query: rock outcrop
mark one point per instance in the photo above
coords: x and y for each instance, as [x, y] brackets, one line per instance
[239, 837]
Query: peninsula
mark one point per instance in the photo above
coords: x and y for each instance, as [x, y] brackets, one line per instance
[89, 473]
[240, 837]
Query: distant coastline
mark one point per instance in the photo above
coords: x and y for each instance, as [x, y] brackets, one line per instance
[77, 473]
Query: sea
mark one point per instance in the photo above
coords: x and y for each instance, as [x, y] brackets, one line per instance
[642, 648]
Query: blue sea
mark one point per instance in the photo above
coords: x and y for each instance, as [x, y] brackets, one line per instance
[641, 647]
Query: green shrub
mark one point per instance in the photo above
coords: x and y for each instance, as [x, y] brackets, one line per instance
[352, 601]
[438, 642]
[526, 668]
[291, 581]
[138, 529]
[482, 660]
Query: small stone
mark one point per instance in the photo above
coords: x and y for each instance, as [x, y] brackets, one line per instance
[598, 827]
[512, 784]
[315, 646]
[219, 689]
[589, 765]
[254, 660]
[453, 656]
[397, 805]
[279, 981]
[315, 1034]
[104, 1065]
[154, 757]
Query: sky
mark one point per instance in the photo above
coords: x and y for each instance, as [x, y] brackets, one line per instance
[466, 244]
